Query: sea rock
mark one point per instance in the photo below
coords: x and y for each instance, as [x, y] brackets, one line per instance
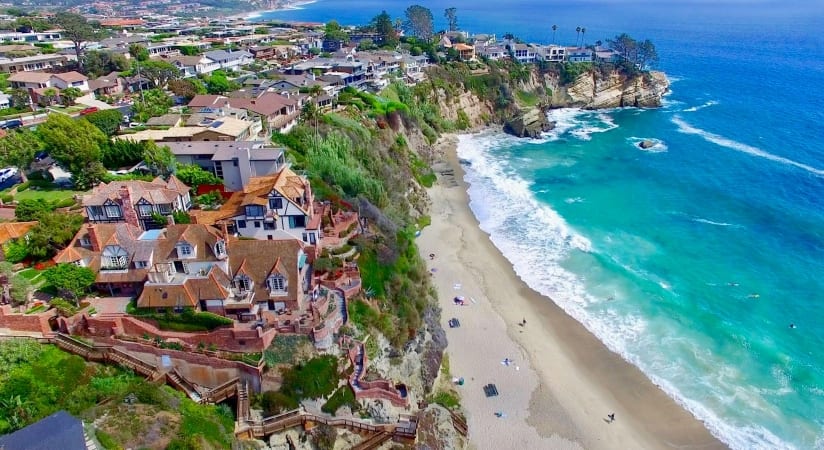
[646, 143]
[528, 123]
[436, 431]
[594, 90]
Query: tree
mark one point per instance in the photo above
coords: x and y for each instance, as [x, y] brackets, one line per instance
[138, 52]
[193, 176]
[334, 32]
[31, 209]
[554, 29]
[49, 96]
[419, 22]
[187, 88]
[451, 15]
[52, 233]
[97, 63]
[647, 55]
[384, 27]
[155, 103]
[120, 153]
[160, 159]
[20, 98]
[159, 72]
[77, 29]
[324, 437]
[76, 145]
[108, 120]
[69, 95]
[16, 250]
[577, 35]
[218, 83]
[20, 289]
[18, 148]
[74, 281]
[583, 33]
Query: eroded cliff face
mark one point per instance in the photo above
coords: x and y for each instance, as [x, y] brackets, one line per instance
[477, 111]
[595, 91]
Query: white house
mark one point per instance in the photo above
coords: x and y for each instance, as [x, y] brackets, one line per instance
[230, 60]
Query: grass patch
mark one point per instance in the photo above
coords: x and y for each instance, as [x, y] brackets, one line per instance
[30, 274]
[214, 423]
[527, 98]
[106, 440]
[424, 221]
[344, 396]
[177, 326]
[316, 378]
[284, 349]
[56, 195]
[448, 400]
[37, 309]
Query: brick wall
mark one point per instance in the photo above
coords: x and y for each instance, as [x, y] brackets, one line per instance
[37, 323]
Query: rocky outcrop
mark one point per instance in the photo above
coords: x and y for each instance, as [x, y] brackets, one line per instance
[592, 90]
[478, 112]
[436, 430]
[646, 143]
[528, 123]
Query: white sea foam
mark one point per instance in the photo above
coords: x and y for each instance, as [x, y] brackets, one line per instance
[686, 128]
[571, 200]
[700, 107]
[712, 222]
[536, 240]
[579, 123]
[658, 145]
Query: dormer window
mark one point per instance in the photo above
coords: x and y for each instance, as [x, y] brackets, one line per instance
[114, 258]
[275, 203]
[113, 212]
[242, 283]
[220, 248]
[276, 283]
[85, 241]
[144, 210]
[255, 211]
[184, 250]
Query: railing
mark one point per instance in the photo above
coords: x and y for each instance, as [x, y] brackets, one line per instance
[273, 424]
[459, 423]
[222, 392]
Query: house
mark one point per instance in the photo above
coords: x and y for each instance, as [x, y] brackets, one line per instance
[607, 55]
[59, 430]
[259, 52]
[233, 162]
[34, 36]
[555, 53]
[192, 66]
[272, 207]
[466, 52]
[70, 79]
[344, 71]
[201, 128]
[110, 84]
[579, 54]
[32, 63]
[39, 80]
[230, 60]
[136, 202]
[275, 111]
[117, 253]
[522, 53]
[491, 52]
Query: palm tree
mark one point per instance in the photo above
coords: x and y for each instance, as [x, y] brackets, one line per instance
[583, 32]
[554, 29]
[577, 34]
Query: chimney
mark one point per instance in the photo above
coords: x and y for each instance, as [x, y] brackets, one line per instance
[93, 238]
[244, 165]
[170, 220]
[129, 213]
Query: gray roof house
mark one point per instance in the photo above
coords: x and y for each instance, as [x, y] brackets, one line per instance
[59, 430]
[230, 60]
[234, 162]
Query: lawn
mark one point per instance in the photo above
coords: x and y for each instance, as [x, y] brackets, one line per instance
[527, 98]
[30, 274]
[55, 195]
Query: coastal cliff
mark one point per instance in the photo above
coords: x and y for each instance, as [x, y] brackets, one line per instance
[518, 97]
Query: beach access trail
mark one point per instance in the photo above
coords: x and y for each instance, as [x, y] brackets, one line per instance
[562, 382]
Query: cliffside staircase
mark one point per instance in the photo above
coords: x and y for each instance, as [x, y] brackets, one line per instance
[374, 441]
[459, 423]
[179, 382]
[242, 402]
[344, 314]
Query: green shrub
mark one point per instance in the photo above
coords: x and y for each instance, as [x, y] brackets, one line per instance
[446, 399]
[7, 198]
[106, 440]
[65, 203]
[23, 186]
[313, 379]
[344, 396]
[344, 249]
[63, 307]
[273, 402]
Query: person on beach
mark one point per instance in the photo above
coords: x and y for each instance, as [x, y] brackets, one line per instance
[611, 417]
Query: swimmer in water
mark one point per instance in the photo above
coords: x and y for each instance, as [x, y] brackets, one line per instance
[732, 284]
[753, 296]
[792, 325]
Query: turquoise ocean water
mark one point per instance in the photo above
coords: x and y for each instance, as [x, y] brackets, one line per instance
[690, 259]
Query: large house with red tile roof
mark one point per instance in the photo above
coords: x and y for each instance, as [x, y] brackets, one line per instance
[136, 202]
[193, 266]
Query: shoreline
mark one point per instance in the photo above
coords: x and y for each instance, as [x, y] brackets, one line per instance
[564, 381]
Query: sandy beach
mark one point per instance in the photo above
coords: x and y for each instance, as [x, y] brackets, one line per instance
[562, 382]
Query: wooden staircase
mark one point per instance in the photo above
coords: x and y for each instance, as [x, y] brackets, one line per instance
[242, 402]
[459, 423]
[374, 441]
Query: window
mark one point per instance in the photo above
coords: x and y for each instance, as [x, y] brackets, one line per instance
[242, 283]
[241, 224]
[141, 264]
[305, 237]
[268, 225]
[255, 211]
[113, 211]
[297, 221]
[78, 263]
[164, 208]
[95, 211]
[219, 169]
[115, 262]
[277, 283]
[220, 248]
[312, 238]
[275, 203]
[144, 210]
[85, 242]
[257, 224]
[114, 258]
[184, 250]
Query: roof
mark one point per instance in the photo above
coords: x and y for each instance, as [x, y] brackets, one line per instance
[71, 77]
[463, 47]
[166, 119]
[59, 430]
[207, 101]
[223, 55]
[156, 191]
[286, 182]
[160, 135]
[30, 77]
[226, 150]
[260, 259]
[14, 230]
[267, 104]
[104, 81]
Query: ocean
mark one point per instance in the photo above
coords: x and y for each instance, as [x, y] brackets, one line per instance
[701, 259]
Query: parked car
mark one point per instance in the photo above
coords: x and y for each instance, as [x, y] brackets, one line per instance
[40, 156]
[7, 173]
[89, 110]
[11, 124]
